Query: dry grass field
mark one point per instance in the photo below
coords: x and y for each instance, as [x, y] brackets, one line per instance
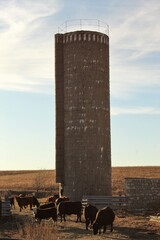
[27, 180]
[45, 179]
[22, 225]
[120, 173]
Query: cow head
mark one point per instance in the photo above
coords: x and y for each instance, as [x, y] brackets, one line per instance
[95, 228]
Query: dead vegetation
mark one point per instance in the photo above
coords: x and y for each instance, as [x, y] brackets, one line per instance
[22, 225]
[120, 173]
[29, 180]
[45, 179]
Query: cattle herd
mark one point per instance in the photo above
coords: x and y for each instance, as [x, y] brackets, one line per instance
[56, 206]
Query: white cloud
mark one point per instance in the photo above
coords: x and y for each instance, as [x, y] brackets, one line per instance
[27, 50]
[25, 53]
[126, 79]
[132, 40]
[19, 83]
[140, 110]
[139, 29]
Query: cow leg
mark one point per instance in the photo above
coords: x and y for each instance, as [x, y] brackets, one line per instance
[64, 217]
[91, 221]
[104, 229]
[87, 223]
[79, 217]
[111, 227]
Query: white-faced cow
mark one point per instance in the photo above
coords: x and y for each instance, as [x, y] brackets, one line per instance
[45, 213]
[104, 217]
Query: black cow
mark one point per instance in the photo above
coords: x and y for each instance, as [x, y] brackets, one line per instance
[25, 201]
[61, 199]
[53, 198]
[45, 213]
[47, 205]
[104, 217]
[90, 212]
[69, 208]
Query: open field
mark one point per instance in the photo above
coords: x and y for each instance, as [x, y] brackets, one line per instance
[45, 179]
[120, 173]
[22, 225]
[27, 180]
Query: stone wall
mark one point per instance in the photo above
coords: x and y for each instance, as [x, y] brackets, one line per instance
[143, 193]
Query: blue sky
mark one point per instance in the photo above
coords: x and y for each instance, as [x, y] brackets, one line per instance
[27, 97]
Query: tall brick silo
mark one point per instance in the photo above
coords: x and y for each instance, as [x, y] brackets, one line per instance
[83, 144]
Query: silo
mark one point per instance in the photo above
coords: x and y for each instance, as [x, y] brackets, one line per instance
[83, 144]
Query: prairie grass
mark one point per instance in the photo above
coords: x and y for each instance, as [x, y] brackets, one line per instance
[36, 231]
[12, 180]
[22, 226]
[120, 173]
[27, 180]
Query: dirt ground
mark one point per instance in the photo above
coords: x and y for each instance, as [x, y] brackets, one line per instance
[22, 225]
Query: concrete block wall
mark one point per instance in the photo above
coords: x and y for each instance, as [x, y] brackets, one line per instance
[143, 193]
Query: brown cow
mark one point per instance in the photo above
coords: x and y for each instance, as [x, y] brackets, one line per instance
[25, 201]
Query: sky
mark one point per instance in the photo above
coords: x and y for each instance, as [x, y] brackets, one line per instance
[27, 79]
